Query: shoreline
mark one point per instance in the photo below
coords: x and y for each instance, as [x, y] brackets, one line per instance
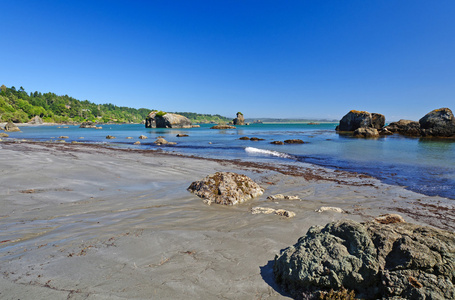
[92, 221]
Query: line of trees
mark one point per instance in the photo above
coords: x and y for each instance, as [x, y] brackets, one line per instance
[18, 106]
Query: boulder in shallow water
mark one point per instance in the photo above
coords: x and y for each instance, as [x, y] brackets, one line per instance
[405, 127]
[226, 188]
[366, 132]
[172, 121]
[11, 127]
[223, 127]
[438, 123]
[355, 119]
[294, 141]
[376, 261]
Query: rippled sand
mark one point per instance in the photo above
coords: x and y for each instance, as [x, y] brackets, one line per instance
[86, 222]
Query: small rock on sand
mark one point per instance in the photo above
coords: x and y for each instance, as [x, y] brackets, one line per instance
[226, 188]
[268, 210]
[390, 219]
[330, 208]
[282, 197]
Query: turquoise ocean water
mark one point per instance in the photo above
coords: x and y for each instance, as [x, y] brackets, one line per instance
[421, 165]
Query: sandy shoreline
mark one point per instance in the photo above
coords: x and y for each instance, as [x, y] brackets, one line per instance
[90, 222]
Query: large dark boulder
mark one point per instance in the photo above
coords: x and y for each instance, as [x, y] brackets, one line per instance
[405, 127]
[360, 119]
[150, 120]
[240, 120]
[377, 121]
[226, 188]
[376, 261]
[167, 120]
[438, 123]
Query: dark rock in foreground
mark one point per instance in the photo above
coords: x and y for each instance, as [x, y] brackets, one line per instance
[377, 261]
[225, 188]
[439, 122]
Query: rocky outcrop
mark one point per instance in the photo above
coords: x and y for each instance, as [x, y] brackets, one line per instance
[366, 132]
[150, 120]
[438, 123]
[376, 261]
[405, 127]
[88, 125]
[11, 127]
[172, 121]
[225, 188]
[36, 120]
[377, 121]
[223, 127]
[361, 119]
[240, 120]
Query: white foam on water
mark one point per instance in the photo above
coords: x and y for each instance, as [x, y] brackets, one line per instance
[253, 150]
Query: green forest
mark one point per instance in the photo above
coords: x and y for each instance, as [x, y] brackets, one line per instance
[18, 106]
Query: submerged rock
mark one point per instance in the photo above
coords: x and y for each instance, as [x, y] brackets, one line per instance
[277, 143]
[161, 141]
[223, 127]
[110, 137]
[438, 123]
[376, 261]
[2, 134]
[225, 188]
[294, 141]
[142, 137]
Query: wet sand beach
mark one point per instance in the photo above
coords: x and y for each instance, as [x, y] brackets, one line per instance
[90, 222]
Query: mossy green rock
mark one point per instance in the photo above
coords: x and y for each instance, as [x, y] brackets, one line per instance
[375, 260]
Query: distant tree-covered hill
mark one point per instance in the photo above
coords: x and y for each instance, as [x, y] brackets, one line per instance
[204, 118]
[18, 106]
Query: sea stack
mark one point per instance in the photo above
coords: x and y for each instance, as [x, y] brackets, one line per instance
[240, 120]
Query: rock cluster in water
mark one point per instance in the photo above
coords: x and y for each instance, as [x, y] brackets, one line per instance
[437, 123]
[226, 188]
[383, 259]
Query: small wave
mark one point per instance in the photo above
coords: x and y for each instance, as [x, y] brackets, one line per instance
[253, 150]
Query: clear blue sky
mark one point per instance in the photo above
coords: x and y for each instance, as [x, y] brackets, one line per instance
[265, 58]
